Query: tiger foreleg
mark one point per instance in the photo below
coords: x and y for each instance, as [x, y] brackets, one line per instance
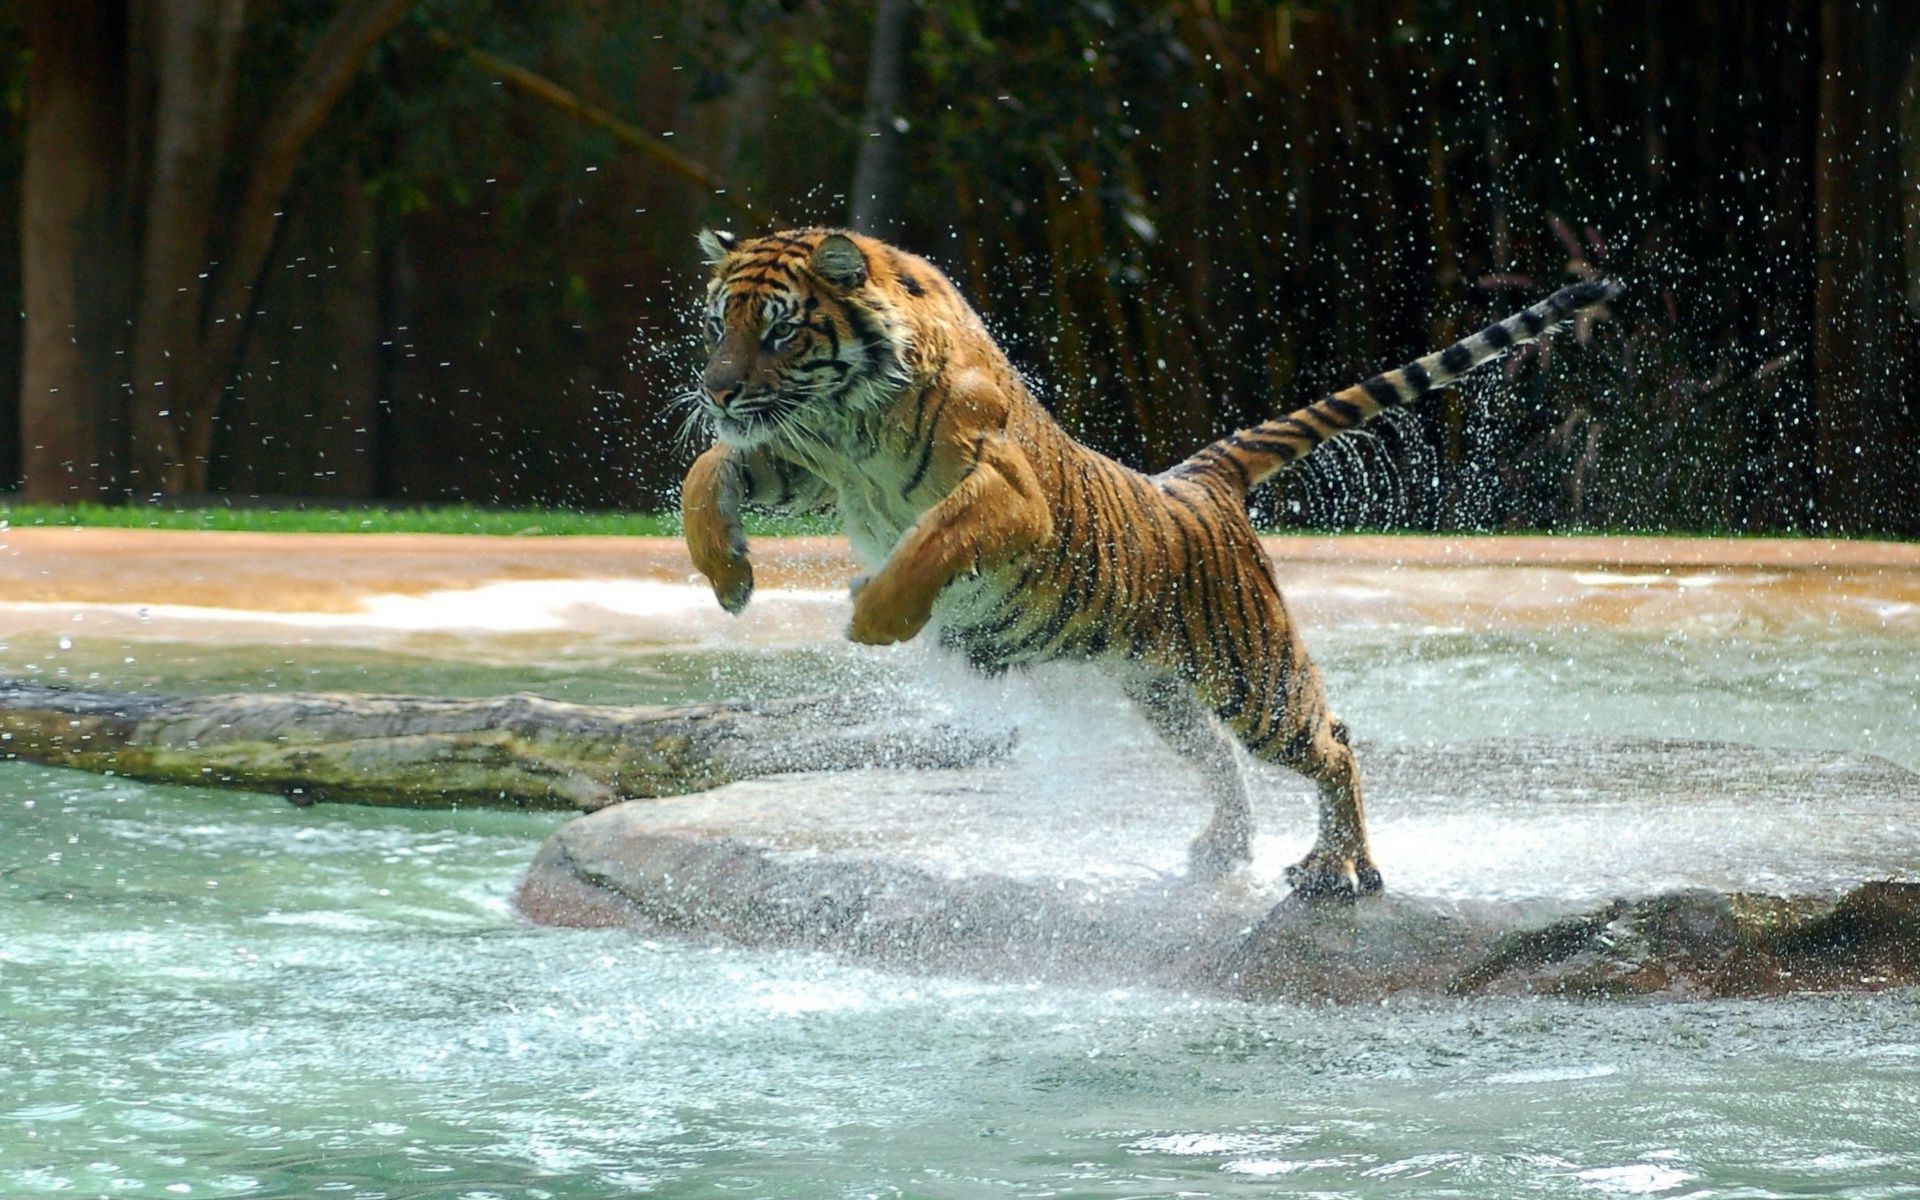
[718, 486]
[710, 514]
[995, 514]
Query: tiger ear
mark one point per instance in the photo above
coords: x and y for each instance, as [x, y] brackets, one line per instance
[839, 262]
[716, 244]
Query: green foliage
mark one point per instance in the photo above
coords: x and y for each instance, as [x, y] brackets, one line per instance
[808, 67]
[1178, 216]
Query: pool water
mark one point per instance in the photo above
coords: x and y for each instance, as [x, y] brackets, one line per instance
[216, 994]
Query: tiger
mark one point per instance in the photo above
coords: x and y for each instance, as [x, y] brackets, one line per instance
[848, 376]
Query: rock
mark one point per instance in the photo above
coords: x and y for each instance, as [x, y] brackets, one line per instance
[997, 871]
[620, 863]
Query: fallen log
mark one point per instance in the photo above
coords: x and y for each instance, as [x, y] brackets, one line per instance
[427, 752]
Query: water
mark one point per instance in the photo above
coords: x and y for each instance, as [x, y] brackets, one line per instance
[213, 994]
[204, 996]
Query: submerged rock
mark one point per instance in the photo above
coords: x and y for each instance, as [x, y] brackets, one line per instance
[996, 871]
[1699, 944]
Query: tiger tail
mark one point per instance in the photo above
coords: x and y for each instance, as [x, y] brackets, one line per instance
[1251, 455]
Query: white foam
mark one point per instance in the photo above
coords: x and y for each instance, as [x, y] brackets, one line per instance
[522, 606]
[1216, 1145]
[1633, 1179]
[1699, 579]
[1556, 1074]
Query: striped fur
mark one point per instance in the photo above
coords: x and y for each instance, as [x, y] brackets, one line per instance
[1252, 455]
[851, 375]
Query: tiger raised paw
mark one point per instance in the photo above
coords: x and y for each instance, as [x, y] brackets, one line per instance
[846, 374]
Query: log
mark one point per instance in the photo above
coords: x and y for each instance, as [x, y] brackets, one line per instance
[516, 751]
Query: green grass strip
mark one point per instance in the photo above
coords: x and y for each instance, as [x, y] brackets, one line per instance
[557, 522]
[455, 519]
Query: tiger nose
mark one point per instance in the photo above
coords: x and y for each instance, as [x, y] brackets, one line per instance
[723, 383]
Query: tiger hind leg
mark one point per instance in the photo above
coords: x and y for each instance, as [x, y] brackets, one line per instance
[1340, 863]
[1311, 741]
[1185, 725]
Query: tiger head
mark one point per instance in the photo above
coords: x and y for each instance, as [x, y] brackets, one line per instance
[801, 336]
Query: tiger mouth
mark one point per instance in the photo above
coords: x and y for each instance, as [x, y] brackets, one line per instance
[747, 423]
[735, 431]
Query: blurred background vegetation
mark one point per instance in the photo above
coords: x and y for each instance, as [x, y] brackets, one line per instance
[424, 251]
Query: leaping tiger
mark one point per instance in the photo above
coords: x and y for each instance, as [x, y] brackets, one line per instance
[847, 373]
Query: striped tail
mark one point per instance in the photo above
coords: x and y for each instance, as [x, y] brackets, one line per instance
[1250, 456]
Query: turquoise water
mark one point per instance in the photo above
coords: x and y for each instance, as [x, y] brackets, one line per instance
[1819, 689]
[216, 994]
[203, 995]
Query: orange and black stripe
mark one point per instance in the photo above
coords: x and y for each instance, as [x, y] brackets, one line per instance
[1251, 455]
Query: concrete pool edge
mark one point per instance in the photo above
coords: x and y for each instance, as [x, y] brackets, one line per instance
[337, 572]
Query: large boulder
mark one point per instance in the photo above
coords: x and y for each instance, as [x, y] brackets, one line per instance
[1578, 868]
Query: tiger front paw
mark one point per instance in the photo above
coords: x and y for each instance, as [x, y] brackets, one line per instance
[710, 511]
[1326, 875]
[732, 583]
[719, 551]
[884, 612]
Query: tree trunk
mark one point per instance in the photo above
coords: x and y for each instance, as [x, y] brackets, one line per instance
[74, 250]
[876, 175]
[199, 42]
[1909, 127]
[198, 287]
[1856, 296]
[85, 385]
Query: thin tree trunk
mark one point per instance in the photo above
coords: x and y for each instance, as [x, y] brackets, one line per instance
[546, 91]
[876, 174]
[1849, 287]
[73, 250]
[1909, 125]
[199, 43]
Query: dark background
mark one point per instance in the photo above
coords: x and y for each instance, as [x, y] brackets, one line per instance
[436, 250]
